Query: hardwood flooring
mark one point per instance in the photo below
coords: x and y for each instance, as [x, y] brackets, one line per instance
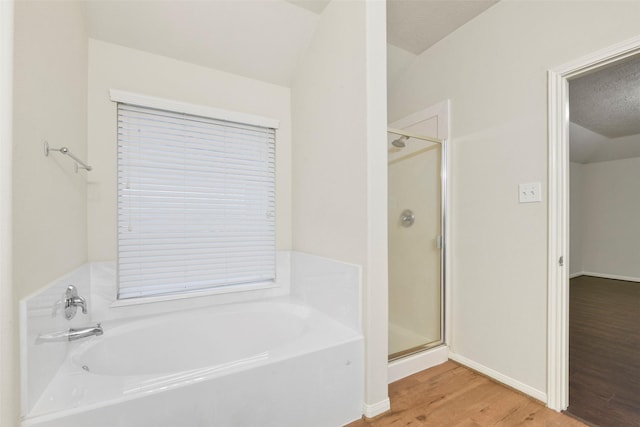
[604, 351]
[451, 395]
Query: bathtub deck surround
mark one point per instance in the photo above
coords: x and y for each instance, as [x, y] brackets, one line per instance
[268, 361]
[106, 306]
[329, 286]
[40, 314]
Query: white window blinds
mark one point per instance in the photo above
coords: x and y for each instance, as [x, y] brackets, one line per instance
[196, 202]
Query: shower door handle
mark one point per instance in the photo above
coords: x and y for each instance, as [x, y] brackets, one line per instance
[439, 241]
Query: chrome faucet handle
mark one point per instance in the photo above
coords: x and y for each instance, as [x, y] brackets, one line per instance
[78, 301]
[72, 301]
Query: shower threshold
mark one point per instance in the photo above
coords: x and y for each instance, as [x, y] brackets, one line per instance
[404, 342]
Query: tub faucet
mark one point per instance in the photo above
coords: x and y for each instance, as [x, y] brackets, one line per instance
[70, 335]
[70, 302]
[76, 334]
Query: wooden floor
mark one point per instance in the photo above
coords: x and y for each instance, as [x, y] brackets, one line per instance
[604, 351]
[451, 395]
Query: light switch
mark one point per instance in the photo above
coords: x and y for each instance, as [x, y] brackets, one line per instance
[531, 192]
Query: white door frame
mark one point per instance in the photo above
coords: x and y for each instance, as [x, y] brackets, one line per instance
[558, 261]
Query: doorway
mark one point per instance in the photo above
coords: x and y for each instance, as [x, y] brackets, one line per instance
[415, 243]
[562, 217]
[604, 235]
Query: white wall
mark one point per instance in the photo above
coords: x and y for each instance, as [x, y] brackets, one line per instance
[397, 61]
[593, 147]
[576, 212]
[330, 140]
[50, 102]
[494, 70]
[8, 347]
[609, 214]
[339, 162]
[116, 67]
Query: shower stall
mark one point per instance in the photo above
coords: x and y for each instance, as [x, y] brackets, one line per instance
[416, 224]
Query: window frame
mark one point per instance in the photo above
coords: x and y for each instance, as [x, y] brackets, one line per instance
[118, 96]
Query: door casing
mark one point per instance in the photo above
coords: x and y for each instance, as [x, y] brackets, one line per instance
[558, 229]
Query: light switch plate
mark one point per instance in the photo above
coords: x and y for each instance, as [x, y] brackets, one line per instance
[529, 193]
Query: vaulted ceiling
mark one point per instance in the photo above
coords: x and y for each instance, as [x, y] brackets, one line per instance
[257, 39]
[415, 25]
[261, 39]
[264, 39]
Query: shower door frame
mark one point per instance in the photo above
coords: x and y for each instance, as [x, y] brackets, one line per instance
[442, 237]
[442, 112]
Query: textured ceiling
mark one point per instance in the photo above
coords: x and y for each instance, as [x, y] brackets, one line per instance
[605, 113]
[608, 101]
[416, 25]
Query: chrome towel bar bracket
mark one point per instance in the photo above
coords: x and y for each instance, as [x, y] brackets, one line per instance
[64, 150]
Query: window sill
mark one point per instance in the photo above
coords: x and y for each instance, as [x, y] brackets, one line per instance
[193, 294]
[104, 305]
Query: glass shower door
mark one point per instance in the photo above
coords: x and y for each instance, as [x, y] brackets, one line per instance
[415, 223]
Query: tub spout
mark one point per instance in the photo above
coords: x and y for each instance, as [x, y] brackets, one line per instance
[70, 335]
[76, 334]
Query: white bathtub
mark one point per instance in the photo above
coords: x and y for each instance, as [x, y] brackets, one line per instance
[272, 363]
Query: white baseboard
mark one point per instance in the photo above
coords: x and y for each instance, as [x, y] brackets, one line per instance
[535, 393]
[409, 365]
[574, 275]
[376, 409]
[609, 276]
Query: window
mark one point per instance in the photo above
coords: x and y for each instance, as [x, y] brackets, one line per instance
[196, 200]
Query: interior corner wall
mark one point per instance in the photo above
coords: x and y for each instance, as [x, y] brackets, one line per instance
[494, 70]
[339, 160]
[329, 130]
[610, 237]
[50, 103]
[576, 215]
[116, 67]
